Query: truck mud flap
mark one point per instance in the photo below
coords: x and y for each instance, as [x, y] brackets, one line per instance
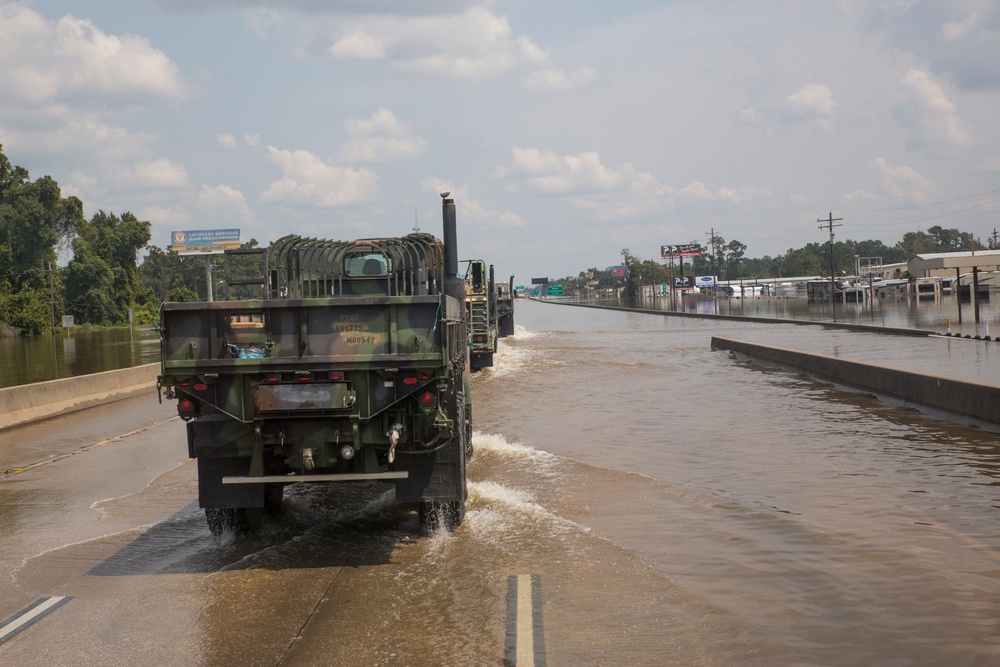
[211, 491]
[439, 477]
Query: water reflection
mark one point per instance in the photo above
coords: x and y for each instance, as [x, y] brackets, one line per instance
[940, 314]
[27, 359]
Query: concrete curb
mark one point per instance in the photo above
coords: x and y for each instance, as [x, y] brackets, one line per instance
[975, 401]
[40, 400]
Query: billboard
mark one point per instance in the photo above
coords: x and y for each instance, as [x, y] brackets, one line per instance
[687, 250]
[683, 282]
[204, 241]
[704, 281]
[619, 271]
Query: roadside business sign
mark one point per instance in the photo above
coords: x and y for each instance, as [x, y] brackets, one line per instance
[204, 241]
[686, 250]
[683, 282]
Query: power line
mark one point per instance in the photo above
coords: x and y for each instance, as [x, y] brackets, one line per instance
[933, 217]
[904, 208]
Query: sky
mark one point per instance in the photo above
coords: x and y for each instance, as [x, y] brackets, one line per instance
[566, 130]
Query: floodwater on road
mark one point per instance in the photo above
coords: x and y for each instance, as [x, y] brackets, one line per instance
[679, 507]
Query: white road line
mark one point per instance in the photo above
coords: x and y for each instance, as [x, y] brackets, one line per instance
[30, 615]
[525, 623]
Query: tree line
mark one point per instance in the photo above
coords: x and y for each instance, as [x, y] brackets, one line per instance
[727, 261]
[103, 283]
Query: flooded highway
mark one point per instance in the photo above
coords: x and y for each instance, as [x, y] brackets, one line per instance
[676, 506]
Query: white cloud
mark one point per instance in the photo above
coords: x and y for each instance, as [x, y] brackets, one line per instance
[813, 102]
[545, 171]
[698, 191]
[552, 80]
[63, 131]
[957, 40]
[42, 61]
[858, 194]
[382, 137]
[160, 174]
[224, 204]
[308, 180]
[227, 141]
[472, 211]
[904, 182]
[474, 44]
[931, 118]
[172, 215]
[359, 46]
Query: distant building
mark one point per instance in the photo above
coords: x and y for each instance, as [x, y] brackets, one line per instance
[947, 264]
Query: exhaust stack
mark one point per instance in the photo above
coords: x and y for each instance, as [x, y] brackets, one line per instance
[449, 236]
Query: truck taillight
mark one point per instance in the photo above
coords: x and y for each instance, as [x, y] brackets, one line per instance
[427, 400]
[187, 409]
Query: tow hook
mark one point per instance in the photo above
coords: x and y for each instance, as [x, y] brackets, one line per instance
[393, 434]
[307, 458]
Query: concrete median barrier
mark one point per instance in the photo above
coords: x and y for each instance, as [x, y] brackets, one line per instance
[977, 402]
[40, 400]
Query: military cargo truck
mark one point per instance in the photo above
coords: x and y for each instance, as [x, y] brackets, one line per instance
[481, 311]
[354, 367]
[505, 309]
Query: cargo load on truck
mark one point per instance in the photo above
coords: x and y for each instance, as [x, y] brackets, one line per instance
[353, 367]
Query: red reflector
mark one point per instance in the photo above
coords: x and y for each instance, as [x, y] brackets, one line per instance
[274, 378]
[200, 387]
[409, 380]
[425, 377]
[427, 400]
[479, 338]
[186, 408]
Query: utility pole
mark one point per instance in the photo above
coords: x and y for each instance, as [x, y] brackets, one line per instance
[993, 240]
[715, 287]
[833, 279]
[52, 297]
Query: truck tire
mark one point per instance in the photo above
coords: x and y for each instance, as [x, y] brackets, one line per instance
[469, 451]
[241, 521]
[437, 514]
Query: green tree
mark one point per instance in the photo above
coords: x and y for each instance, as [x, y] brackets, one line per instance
[35, 219]
[104, 272]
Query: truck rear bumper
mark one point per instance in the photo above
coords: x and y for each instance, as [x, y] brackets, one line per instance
[292, 479]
